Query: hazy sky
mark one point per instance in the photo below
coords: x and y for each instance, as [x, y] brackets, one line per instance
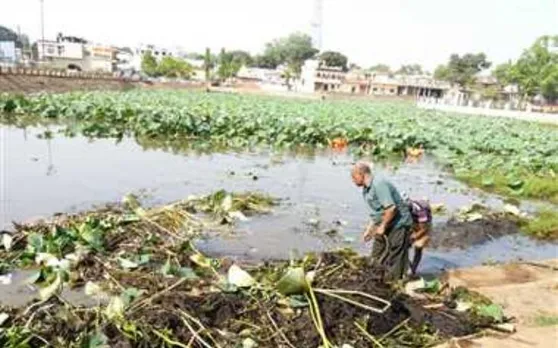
[368, 31]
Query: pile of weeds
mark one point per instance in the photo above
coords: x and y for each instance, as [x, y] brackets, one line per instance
[153, 288]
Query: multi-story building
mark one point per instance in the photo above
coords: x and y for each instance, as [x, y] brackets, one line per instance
[73, 53]
[368, 83]
[99, 57]
[315, 77]
[156, 51]
[60, 54]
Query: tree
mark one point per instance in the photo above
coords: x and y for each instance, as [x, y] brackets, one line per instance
[149, 64]
[441, 73]
[354, 66]
[334, 59]
[21, 41]
[194, 55]
[411, 69]
[380, 68]
[462, 70]
[242, 58]
[208, 64]
[266, 61]
[228, 65]
[292, 50]
[536, 71]
[174, 67]
[503, 73]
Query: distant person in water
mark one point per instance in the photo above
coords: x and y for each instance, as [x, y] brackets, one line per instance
[391, 221]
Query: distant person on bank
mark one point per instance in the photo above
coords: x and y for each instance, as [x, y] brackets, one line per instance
[391, 221]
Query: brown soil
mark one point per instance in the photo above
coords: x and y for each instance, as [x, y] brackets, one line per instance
[458, 234]
[526, 292]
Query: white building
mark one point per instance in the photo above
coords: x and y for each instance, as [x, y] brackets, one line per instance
[49, 50]
[157, 51]
[316, 78]
[99, 57]
[8, 53]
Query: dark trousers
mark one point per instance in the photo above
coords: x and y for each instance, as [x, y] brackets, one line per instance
[392, 251]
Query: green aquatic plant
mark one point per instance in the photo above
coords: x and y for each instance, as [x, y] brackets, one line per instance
[502, 155]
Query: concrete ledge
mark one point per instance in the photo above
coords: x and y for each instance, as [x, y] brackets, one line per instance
[58, 73]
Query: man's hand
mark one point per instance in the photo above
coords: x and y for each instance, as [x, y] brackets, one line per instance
[369, 233]
[381, 229]
[367, 236]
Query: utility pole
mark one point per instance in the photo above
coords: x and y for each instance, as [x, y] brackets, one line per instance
[317, 22]
[43, 28]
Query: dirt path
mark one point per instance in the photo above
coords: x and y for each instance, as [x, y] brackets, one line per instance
[528, 293]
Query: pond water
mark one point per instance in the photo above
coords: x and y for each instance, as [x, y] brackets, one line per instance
[40, 177]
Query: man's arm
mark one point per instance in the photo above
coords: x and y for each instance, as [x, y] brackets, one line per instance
[368, 232]
[385, 197]
[387, 217]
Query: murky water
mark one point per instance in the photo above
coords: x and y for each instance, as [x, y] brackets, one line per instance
[40, 177]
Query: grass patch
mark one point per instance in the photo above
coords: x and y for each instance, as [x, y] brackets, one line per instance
[545, 320]
[525, 186]
[544, 225]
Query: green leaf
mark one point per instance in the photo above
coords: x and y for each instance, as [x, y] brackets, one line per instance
[493, 311]
[432, 286]
[92, 236]
[127, 264]
[115, 308]
[249, 343]
[130, 295]
[143, 259]
[35, 243]
[33, 277]
[187, 272]
[293, 282]
[297, 301]
[227, 287]
[3, 318]
[240, 278]
[166, 269]
[515, 184]
[487, 182]
[7, 240]
[97, 340]
[200, 260]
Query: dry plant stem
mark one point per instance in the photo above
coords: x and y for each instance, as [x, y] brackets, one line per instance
[107, 267]
[397, 327]
[42, 339]
[369, 336]
[168, 340]
[195, 334]
[28, 323]
[334, 293]
[202, 327]
[316, 316]
[333, 270]
[279, 330]
[154, 296]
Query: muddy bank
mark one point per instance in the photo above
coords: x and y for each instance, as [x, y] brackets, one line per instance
[463, 234]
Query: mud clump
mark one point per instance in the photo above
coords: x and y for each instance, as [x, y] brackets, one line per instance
[461, 234]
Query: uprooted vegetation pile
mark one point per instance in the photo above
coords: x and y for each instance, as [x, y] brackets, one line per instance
[152, 288]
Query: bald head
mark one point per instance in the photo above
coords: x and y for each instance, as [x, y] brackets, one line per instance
[362, 168]
[361, 173]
